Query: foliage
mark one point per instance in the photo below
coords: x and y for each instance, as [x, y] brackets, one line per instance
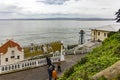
[68, 72]
[82, 61]
[38, 49]
[111, 33]
[56, 46]
[97, 60]
[118, 16]
[85, 75]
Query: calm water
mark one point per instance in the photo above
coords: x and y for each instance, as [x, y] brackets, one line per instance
[38, 31]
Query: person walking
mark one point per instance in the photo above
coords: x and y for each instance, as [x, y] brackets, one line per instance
[50, 69]
[54, 74]
[59, 66]
[48, 61]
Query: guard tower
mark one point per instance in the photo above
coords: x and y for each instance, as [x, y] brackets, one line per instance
[81, 37]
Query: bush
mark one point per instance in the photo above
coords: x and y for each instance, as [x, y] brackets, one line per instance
[82, 61]
[68, 72]
[111, 33]
[85, 76]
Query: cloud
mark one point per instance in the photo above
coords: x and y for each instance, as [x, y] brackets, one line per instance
[53, 2]
[58, 8]
[9, 9]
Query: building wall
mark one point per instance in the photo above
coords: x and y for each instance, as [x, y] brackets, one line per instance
[99, 35]
[12, 55]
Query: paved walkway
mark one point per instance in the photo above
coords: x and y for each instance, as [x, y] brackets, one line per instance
[41, 73]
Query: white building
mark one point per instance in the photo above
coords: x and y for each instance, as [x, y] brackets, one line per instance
[100, 33]
[10, 53]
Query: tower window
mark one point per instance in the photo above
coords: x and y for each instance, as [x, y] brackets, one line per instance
[6, 59]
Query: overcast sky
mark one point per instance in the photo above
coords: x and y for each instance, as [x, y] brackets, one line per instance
[58, 8]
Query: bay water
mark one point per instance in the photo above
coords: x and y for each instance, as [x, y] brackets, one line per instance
[26, 32]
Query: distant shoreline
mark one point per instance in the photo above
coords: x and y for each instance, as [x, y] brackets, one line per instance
[78, 19]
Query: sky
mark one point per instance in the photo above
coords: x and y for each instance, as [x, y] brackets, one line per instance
[58, 8]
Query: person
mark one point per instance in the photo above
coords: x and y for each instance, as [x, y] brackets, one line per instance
[59, 66]
[54, 74]
[53, 66]
[50, 69]
[48, 61]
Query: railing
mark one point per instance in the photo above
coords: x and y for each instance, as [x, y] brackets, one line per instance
[29, 63]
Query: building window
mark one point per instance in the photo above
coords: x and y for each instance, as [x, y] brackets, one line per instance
[18, 57]
[12, 66]
[98, 33]
[6, 59]
[15, 66]
[13, 52]
[6, 68]
[9, 67]
[12, 57]
[3, 69]
[22, 65]
[18, 66]
[105, 34]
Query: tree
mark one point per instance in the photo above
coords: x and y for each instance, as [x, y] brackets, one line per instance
[118, 16]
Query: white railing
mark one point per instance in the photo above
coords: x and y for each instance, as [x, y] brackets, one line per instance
[30, 63]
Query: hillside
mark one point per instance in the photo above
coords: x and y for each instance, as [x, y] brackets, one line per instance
[95, 61]
[112, 72]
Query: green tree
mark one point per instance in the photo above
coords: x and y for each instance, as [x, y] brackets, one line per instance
[118, 16]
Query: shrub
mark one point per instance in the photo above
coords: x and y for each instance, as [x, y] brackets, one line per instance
[68, 72]
[111, 33]
[82, 61]
[85, 75]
